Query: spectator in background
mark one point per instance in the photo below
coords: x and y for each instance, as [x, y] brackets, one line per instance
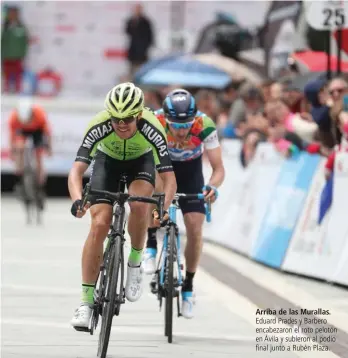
[266, 90]
[139, 31]
[256, 131]
[317, 94]
[276, 90]
[14, 46]
[337, 116]
[337, 87]
[153, 99]
[280, 113]
[233, 110]
[207, 103]
[252, 108]
[224, 128]
[294, 98]
[253, 101]
[340, 118]
[254, 128]
[230, 97]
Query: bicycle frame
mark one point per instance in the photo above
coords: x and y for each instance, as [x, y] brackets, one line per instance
[172, 222]
[113, 260]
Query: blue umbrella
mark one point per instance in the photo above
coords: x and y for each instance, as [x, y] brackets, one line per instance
[153, 64]
[182, 70]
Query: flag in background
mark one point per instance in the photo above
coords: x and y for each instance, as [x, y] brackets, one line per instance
[325, 199]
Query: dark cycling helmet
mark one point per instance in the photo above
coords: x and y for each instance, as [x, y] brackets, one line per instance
[180, 106]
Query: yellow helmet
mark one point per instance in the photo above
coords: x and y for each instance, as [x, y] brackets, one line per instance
[124, 100]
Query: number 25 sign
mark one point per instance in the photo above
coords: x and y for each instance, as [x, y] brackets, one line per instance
[327, 15]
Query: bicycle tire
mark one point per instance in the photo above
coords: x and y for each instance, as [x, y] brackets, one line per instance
[100, 292]
[120, 292]
[169, 286]
[27, 193]
[108, 311]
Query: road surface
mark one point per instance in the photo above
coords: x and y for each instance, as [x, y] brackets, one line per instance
[41, 289]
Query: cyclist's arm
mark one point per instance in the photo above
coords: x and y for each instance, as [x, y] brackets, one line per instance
[75, 180]
[154, 133]
[45, 128]
[169, 187]
[98, 129]
[215, 159]
[213, 149]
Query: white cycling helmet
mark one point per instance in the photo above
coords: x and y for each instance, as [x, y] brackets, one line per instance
[124, 100]
[24, 109]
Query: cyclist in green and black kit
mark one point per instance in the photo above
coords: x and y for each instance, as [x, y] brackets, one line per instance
[124, 139]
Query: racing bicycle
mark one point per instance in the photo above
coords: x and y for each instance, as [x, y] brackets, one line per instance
[110, 291]
[29, 192]
[167, 280]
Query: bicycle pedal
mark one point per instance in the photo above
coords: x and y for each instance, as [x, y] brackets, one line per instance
[153, 287]
[82, 329]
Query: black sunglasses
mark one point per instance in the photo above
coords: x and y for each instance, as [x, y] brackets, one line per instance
[127, 120]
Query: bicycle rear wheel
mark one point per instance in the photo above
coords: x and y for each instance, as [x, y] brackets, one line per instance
[169, 283]
[113, 266]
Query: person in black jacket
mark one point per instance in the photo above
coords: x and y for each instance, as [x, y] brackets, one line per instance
[139, 31]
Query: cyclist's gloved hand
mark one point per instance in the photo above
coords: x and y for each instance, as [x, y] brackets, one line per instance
[76, 209]
[210, 193]
[156, 218]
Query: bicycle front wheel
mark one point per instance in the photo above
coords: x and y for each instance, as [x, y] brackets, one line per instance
[113, 263]
[169, 292]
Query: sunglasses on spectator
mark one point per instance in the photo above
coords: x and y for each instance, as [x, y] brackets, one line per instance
[338, 90]
[126, 120]
[177, 125]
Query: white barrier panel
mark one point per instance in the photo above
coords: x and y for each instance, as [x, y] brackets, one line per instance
[257, 191]
[322, 250]
[309, 252]
[244, 200]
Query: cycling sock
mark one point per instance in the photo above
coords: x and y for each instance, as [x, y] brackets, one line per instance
[188, 282]
[87, 294]
[151, 238]
[135, 257]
